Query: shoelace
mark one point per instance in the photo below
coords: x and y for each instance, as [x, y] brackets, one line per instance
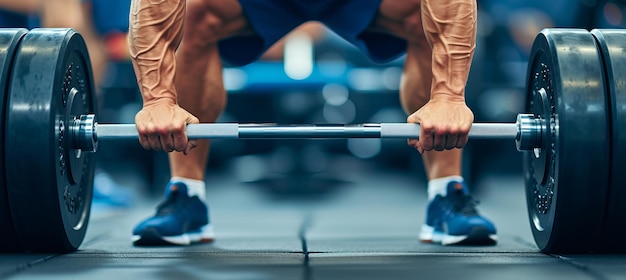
[463, 203]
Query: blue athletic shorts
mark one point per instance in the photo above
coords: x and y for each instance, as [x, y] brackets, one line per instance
[10, 19]
[273, 19]
[107, 15]
[110, 15]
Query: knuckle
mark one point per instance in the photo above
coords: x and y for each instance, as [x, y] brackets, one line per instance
[442, 130]
[162, 130]
[454, 130]
[179, 127]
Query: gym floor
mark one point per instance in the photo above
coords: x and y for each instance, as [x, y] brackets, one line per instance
[361, 222]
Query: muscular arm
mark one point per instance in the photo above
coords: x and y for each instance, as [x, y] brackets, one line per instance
[154, 35]
[156, 31]
[450, 27]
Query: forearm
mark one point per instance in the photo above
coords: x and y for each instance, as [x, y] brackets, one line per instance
[154, 35]
[450, 27]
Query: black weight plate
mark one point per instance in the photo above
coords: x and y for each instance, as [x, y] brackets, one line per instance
[50, 184]
[567, 178]
[612, 45]
[9, 39]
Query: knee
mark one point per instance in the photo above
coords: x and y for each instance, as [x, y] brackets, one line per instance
[413, 26]
[202, 24]
[218, 102]
[214, 105]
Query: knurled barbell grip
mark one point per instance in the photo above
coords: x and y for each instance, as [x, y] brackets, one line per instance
[478, 130]
[106, 132]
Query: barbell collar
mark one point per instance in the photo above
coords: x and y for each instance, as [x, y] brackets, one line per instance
[529, 132]
[83, 131]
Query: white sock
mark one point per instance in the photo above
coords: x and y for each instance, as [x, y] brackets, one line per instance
[194, 187]
[439, 186]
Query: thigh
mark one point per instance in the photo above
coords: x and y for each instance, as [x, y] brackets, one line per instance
[265, 22]
[401, 18]
[220, 18]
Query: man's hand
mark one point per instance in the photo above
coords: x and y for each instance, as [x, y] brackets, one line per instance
[445, 125]
[161, 126]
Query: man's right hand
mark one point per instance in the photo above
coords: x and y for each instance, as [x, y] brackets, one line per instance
[161, 126]
[445, 125]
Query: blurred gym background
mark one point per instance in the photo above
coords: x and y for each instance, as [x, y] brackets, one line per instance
[313, 76]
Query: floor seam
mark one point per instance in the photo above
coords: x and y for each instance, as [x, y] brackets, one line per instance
[582, 267]
[27, 265]
[304, 227]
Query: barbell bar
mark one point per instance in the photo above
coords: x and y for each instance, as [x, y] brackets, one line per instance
[86, 132]
[570, 138]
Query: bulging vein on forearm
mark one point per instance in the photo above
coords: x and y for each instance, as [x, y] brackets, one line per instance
[450, 27]
[155, 32]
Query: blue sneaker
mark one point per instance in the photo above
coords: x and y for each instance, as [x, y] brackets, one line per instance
[454, 220]
[179, 220]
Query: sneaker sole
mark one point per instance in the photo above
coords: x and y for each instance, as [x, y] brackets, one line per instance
[478, 236]
[151, 237]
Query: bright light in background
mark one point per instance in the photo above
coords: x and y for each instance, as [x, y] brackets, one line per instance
[364, 148]
[367, 79]
[335, 94]
[342, 114]
[298, 56]
[234, 78]
[391, 78]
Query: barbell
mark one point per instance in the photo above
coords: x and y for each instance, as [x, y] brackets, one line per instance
[572, 138]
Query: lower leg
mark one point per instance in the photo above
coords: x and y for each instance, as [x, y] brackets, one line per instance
[414, 93]
[450, 216]
[201, 92]
[199, 69]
